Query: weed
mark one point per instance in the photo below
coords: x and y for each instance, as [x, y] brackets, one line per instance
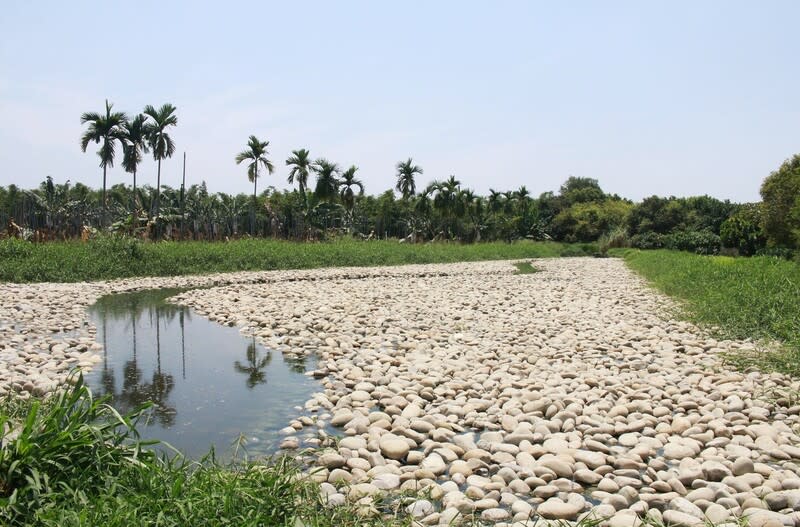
[525, 268]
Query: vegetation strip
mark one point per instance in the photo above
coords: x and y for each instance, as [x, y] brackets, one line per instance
[110, 258]
[743, 298]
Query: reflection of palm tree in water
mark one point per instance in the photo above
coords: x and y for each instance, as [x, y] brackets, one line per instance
[255, 365]
[135, 392]
[107, 379]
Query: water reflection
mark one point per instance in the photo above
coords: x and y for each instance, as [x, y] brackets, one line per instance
[158, 351]
[254, 368]
[135, 391]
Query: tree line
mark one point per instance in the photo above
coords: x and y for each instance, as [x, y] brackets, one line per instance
[334, 202]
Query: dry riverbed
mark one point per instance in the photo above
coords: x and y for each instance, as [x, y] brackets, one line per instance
[559, 394]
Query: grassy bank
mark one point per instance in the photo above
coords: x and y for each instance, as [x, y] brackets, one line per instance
[111, 258]
[755, 298]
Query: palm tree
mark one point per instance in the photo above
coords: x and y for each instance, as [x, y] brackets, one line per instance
[523, 198]
[495, 200]
[327, 183]
[405, 177]
[446, 200]
[472, 205]
[106, 129]
[134, 144]
[159, 140]
[256, 153]
[348, 197]
[301, 166]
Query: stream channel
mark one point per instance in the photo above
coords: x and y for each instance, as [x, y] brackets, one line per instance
[210, 384]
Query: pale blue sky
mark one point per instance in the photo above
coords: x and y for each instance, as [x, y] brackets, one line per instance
[680, 97]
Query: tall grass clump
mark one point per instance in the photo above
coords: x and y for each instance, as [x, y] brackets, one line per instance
[742, 298]
[615, 239]
[70, 443]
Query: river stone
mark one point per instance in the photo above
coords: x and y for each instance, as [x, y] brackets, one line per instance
[495, 515]
[342, 417]
[681, 519]
[623, 518]
[556, 509]
[360, 396]
[742, 466]
[331, 460]
[394, 448]
[386, 481]
[434, 463]
[685, 506]
[420, 509]
[353, 442]
[677, 451]
[764, 518]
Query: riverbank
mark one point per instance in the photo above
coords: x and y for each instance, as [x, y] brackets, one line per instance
[119, 257]
[755, 298]
[568, 393]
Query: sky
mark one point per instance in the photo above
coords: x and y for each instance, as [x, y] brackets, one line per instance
[669, 98]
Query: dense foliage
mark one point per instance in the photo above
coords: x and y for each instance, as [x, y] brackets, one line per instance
[580, 212]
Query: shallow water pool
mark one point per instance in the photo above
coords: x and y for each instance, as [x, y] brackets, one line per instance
[211, 385]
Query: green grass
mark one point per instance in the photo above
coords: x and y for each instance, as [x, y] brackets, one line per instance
[757, 298]
[110, 258]
[525, 268]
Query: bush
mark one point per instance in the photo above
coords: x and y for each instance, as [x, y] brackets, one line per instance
[647, 240]
[783, 253]
[699, 242]
[742, 231]
[578, 249]
[586, 222]
[123, 247]
[12, 248]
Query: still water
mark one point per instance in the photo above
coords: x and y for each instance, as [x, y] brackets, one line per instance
[210, 384]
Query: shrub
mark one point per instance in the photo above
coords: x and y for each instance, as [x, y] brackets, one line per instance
[581, 249]
[700, 242]
[12, 248]
[777, 252]
[586, 222]
[742, 231]
[123, 247]
[647, 240]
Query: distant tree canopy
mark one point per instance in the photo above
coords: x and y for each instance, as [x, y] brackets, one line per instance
[336, 204]
[580, 212]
